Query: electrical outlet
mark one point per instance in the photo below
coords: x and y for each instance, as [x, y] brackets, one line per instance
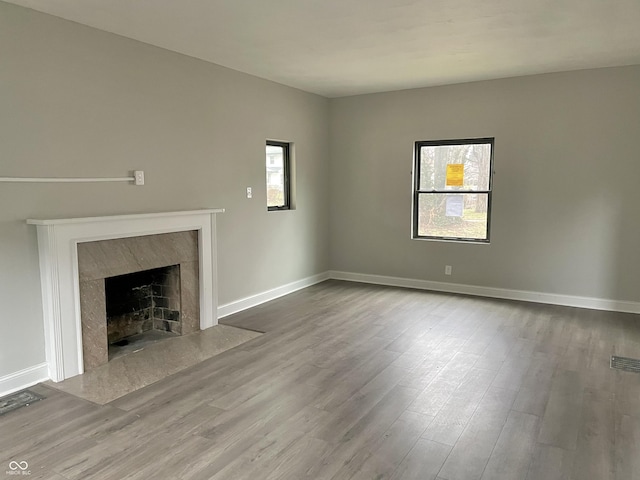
[139, 177]
[249, 193]
[447, 270]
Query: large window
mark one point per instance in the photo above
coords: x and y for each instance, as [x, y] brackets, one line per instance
[278, 185]
[452, 189]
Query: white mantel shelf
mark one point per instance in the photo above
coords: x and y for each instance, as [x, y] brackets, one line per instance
[111, 218]
[58, 240]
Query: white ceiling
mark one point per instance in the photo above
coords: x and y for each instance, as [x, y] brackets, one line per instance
[346, 47]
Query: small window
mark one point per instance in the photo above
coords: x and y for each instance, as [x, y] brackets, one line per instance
[452, 189]
[278, 164]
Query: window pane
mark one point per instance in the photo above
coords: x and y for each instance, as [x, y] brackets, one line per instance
[473, 174]
[453, 215]
[275, 176]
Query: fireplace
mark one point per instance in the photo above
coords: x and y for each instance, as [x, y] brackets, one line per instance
[143, 301]
[78, 255]
[141, 308]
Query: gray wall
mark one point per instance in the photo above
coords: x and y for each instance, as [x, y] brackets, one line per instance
[566, 198]
[75, 101]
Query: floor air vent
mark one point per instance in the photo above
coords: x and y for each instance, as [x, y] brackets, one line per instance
[626, 364]
[17, 400]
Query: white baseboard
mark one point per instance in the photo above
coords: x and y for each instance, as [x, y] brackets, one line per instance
[522, 295]
[23, 379]
[259, 298]
[491, 292]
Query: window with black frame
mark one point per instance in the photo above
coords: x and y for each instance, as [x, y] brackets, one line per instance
[452, 189]
[278, 173]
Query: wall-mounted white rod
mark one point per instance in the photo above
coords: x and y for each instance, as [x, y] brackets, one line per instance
[64, 180]
[137, 178]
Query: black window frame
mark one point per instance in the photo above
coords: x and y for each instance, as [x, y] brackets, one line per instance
[417, 192]
[286, 153]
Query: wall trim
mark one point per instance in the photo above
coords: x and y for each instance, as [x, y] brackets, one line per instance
[522, 295]
[268, 295]
[445, 287]
[23, 379]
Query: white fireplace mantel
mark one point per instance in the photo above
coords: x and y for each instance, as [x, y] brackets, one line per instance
[57, 245]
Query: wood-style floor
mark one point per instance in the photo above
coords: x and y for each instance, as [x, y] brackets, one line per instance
[362, 382]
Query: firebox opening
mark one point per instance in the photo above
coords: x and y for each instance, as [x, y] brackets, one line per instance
[142, 308]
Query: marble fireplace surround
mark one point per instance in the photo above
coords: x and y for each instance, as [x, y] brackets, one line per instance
[120, 256]
[58, 241]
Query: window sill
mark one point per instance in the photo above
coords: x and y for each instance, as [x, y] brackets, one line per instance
[278, 209]
[452, 240]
